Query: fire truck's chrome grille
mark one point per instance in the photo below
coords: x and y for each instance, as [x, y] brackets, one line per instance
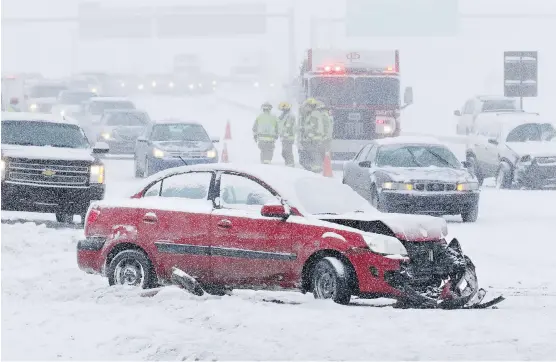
[47, 174]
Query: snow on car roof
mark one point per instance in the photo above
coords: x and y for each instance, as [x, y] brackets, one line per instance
[494, 98]
[174, 121]
[124, 110]
[401, 140]
[110, 99]
[34, 116]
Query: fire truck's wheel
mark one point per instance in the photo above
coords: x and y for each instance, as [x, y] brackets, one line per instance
[331, 280]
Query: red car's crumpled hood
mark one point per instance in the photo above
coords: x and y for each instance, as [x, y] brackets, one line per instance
[406, 227]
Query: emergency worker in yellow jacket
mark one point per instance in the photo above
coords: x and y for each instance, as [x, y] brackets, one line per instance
[305, 110]
[265, 132]
[328, 123]
[287, 129]
[315, 134]
[14, 105]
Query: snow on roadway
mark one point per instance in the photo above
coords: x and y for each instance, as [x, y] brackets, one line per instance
[67, 314]
[71, 315]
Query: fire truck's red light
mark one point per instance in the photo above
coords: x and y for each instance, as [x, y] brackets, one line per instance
[327, 68]
[390, 69]
[338, 68]
[380, 121]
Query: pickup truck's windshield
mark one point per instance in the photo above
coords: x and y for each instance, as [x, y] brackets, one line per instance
[37, 133]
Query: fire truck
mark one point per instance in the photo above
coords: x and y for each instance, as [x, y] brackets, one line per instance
[361, 90]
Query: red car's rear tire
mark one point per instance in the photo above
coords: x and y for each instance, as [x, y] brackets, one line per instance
[131, 267]
[330, 280]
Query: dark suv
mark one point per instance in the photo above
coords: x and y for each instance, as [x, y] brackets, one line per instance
[48, 166]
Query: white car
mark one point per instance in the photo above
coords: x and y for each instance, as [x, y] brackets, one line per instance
[41, 96]
[69, 102]
[467, 115]
[518, 152]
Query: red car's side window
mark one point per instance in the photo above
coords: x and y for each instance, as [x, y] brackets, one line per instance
[191, 185]
[237, 191]
[154, 190]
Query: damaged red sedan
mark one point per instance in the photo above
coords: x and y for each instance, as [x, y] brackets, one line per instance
[225, 226]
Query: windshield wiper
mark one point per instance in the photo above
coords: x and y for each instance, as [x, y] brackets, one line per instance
[60, 146]
[414, 158]
[326, 213]
[439, 157]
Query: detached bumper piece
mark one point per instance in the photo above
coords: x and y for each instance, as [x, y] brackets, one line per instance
[451, 284]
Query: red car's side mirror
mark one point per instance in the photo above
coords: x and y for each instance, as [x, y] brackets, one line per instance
[274, 211]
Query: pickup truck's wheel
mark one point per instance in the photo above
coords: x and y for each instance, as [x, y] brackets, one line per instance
[471, 214]
[131, 267]
[474, 168]
[138, 172]
[146, 168]
[331, 280]
[504, 176]
[64, 218]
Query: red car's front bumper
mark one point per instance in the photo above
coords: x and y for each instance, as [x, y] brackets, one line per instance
[371, 270]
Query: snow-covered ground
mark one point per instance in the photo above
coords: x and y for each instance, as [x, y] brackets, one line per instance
[52, 310]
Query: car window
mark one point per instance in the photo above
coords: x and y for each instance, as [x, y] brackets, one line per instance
[416, 156]
[525, 132]
[154, 190]
[361, 156]
[468, 108]
[499, 105]
[372, 154]
[179, 132]
[130, 119]
[239, 192]
[191, 185]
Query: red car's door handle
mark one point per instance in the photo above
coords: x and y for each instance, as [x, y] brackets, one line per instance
[150, 218]
[226, 224]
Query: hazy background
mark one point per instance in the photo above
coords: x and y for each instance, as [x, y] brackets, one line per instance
[443, 71]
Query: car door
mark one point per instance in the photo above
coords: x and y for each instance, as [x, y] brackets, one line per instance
[177, 214]
[491, 159]
[141, 147]
[360, 175]
[247, 248]
[467, 117]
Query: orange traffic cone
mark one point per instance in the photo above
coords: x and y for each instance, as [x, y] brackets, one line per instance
[327, 166]
[228, 133]
[224, 155]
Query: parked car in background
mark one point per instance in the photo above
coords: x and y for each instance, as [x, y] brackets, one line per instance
[171, 143]
[69, 101]
[91, 111]
[480, 105]
[413, 175]
[517, 151]
[43, 95]
[120, 128]
[48, 166]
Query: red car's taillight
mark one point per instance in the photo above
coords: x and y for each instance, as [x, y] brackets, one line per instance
[90, 218]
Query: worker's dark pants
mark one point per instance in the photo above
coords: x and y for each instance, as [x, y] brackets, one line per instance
[315, 154]
[287, 152]
[303, 155]
[267, 151]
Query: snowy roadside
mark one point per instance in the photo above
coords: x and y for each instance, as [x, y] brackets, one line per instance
[71, 315]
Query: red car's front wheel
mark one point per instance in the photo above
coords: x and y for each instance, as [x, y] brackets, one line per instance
[331, 280]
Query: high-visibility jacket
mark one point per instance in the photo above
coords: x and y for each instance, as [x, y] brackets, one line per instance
[304, 112]
[265, 127]
[315, 129]
[287, 126]
[328, 125]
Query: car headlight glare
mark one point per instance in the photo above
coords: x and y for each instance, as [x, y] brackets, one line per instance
[467, 186]
[33, 107]
[153, 84]
[399, 186]
[158, 153]
[106, 135]
[211, 153]
[97, 174]
[385, 245]
[94, 90]
[171, 84]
